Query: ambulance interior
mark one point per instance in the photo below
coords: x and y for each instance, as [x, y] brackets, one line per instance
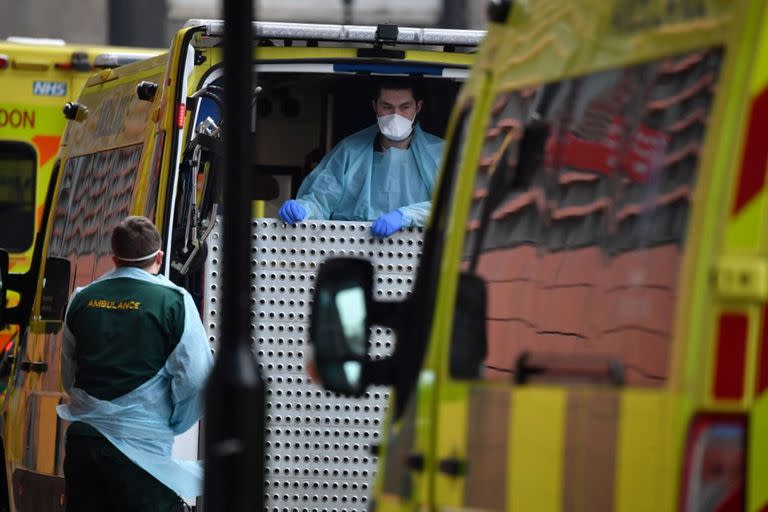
[299, 114]
[299, 117]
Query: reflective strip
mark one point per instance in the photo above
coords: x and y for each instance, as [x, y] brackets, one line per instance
[536, 449]
[291, 68]
[590, 450]
[755, 158]
[460, 73]
[37, 41]
[730, 356]
[453, 420]
[47, 147]
[485, 486]
[641, 454]
[387, 69]
[762, 357]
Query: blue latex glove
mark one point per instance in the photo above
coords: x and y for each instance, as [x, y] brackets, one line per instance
[387, 224]
[292, 212]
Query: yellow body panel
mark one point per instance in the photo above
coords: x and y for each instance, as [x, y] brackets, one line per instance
[536, 447]
[639, 448]
[453, 411]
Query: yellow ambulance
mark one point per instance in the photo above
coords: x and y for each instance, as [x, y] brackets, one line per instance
[37, 77]
[145, 139]
[588, 328]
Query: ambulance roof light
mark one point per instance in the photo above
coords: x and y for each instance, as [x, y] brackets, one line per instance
[78, 62]
[348, 33]
[40, 41]
[115, 59]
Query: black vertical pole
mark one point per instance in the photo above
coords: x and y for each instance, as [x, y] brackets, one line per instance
[347, 7]
[130, 26]
[454, 14]
[234, 429]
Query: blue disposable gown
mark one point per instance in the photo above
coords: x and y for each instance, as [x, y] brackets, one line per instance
[143, 422]
[354, 182]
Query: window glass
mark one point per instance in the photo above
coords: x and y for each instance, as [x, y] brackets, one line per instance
[95, 194]
[18, 165]
[580, 215]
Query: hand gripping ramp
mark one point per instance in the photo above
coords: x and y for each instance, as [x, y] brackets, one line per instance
[318, 456]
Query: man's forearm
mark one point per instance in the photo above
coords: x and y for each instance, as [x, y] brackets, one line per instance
[417, 214]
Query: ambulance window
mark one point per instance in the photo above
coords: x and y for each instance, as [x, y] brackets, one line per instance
[18, 163]
[580, 217]
[95, 193]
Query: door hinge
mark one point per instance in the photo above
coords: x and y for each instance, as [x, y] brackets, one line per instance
[452, 466]
[34, 366]
[742, 278]
[415, 461]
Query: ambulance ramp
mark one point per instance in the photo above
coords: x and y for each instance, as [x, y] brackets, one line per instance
[317, 456]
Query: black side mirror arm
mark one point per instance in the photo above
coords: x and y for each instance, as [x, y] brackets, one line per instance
[386, 314]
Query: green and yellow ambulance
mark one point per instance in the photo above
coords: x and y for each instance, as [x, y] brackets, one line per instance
[588, 328]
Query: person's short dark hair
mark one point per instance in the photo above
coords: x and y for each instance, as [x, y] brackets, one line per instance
[135, 237]
[398, 83]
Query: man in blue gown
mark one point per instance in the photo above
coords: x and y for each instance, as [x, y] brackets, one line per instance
[384, 173]
[134, 361]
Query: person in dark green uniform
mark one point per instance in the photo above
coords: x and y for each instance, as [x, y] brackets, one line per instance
[134, 362]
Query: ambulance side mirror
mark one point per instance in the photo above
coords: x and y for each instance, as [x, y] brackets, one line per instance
[340, 323]
[4, 262]
[55, 289]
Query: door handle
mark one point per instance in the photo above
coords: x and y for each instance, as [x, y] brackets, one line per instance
[415, 462]
[452, 466]
[34, 366]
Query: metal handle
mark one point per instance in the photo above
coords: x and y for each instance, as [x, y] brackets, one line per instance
[568, 368]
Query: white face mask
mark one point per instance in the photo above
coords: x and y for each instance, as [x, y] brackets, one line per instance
[395, 127]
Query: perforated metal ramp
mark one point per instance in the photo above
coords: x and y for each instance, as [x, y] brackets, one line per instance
[317, 443]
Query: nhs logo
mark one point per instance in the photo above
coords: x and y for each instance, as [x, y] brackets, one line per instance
[43, 88]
